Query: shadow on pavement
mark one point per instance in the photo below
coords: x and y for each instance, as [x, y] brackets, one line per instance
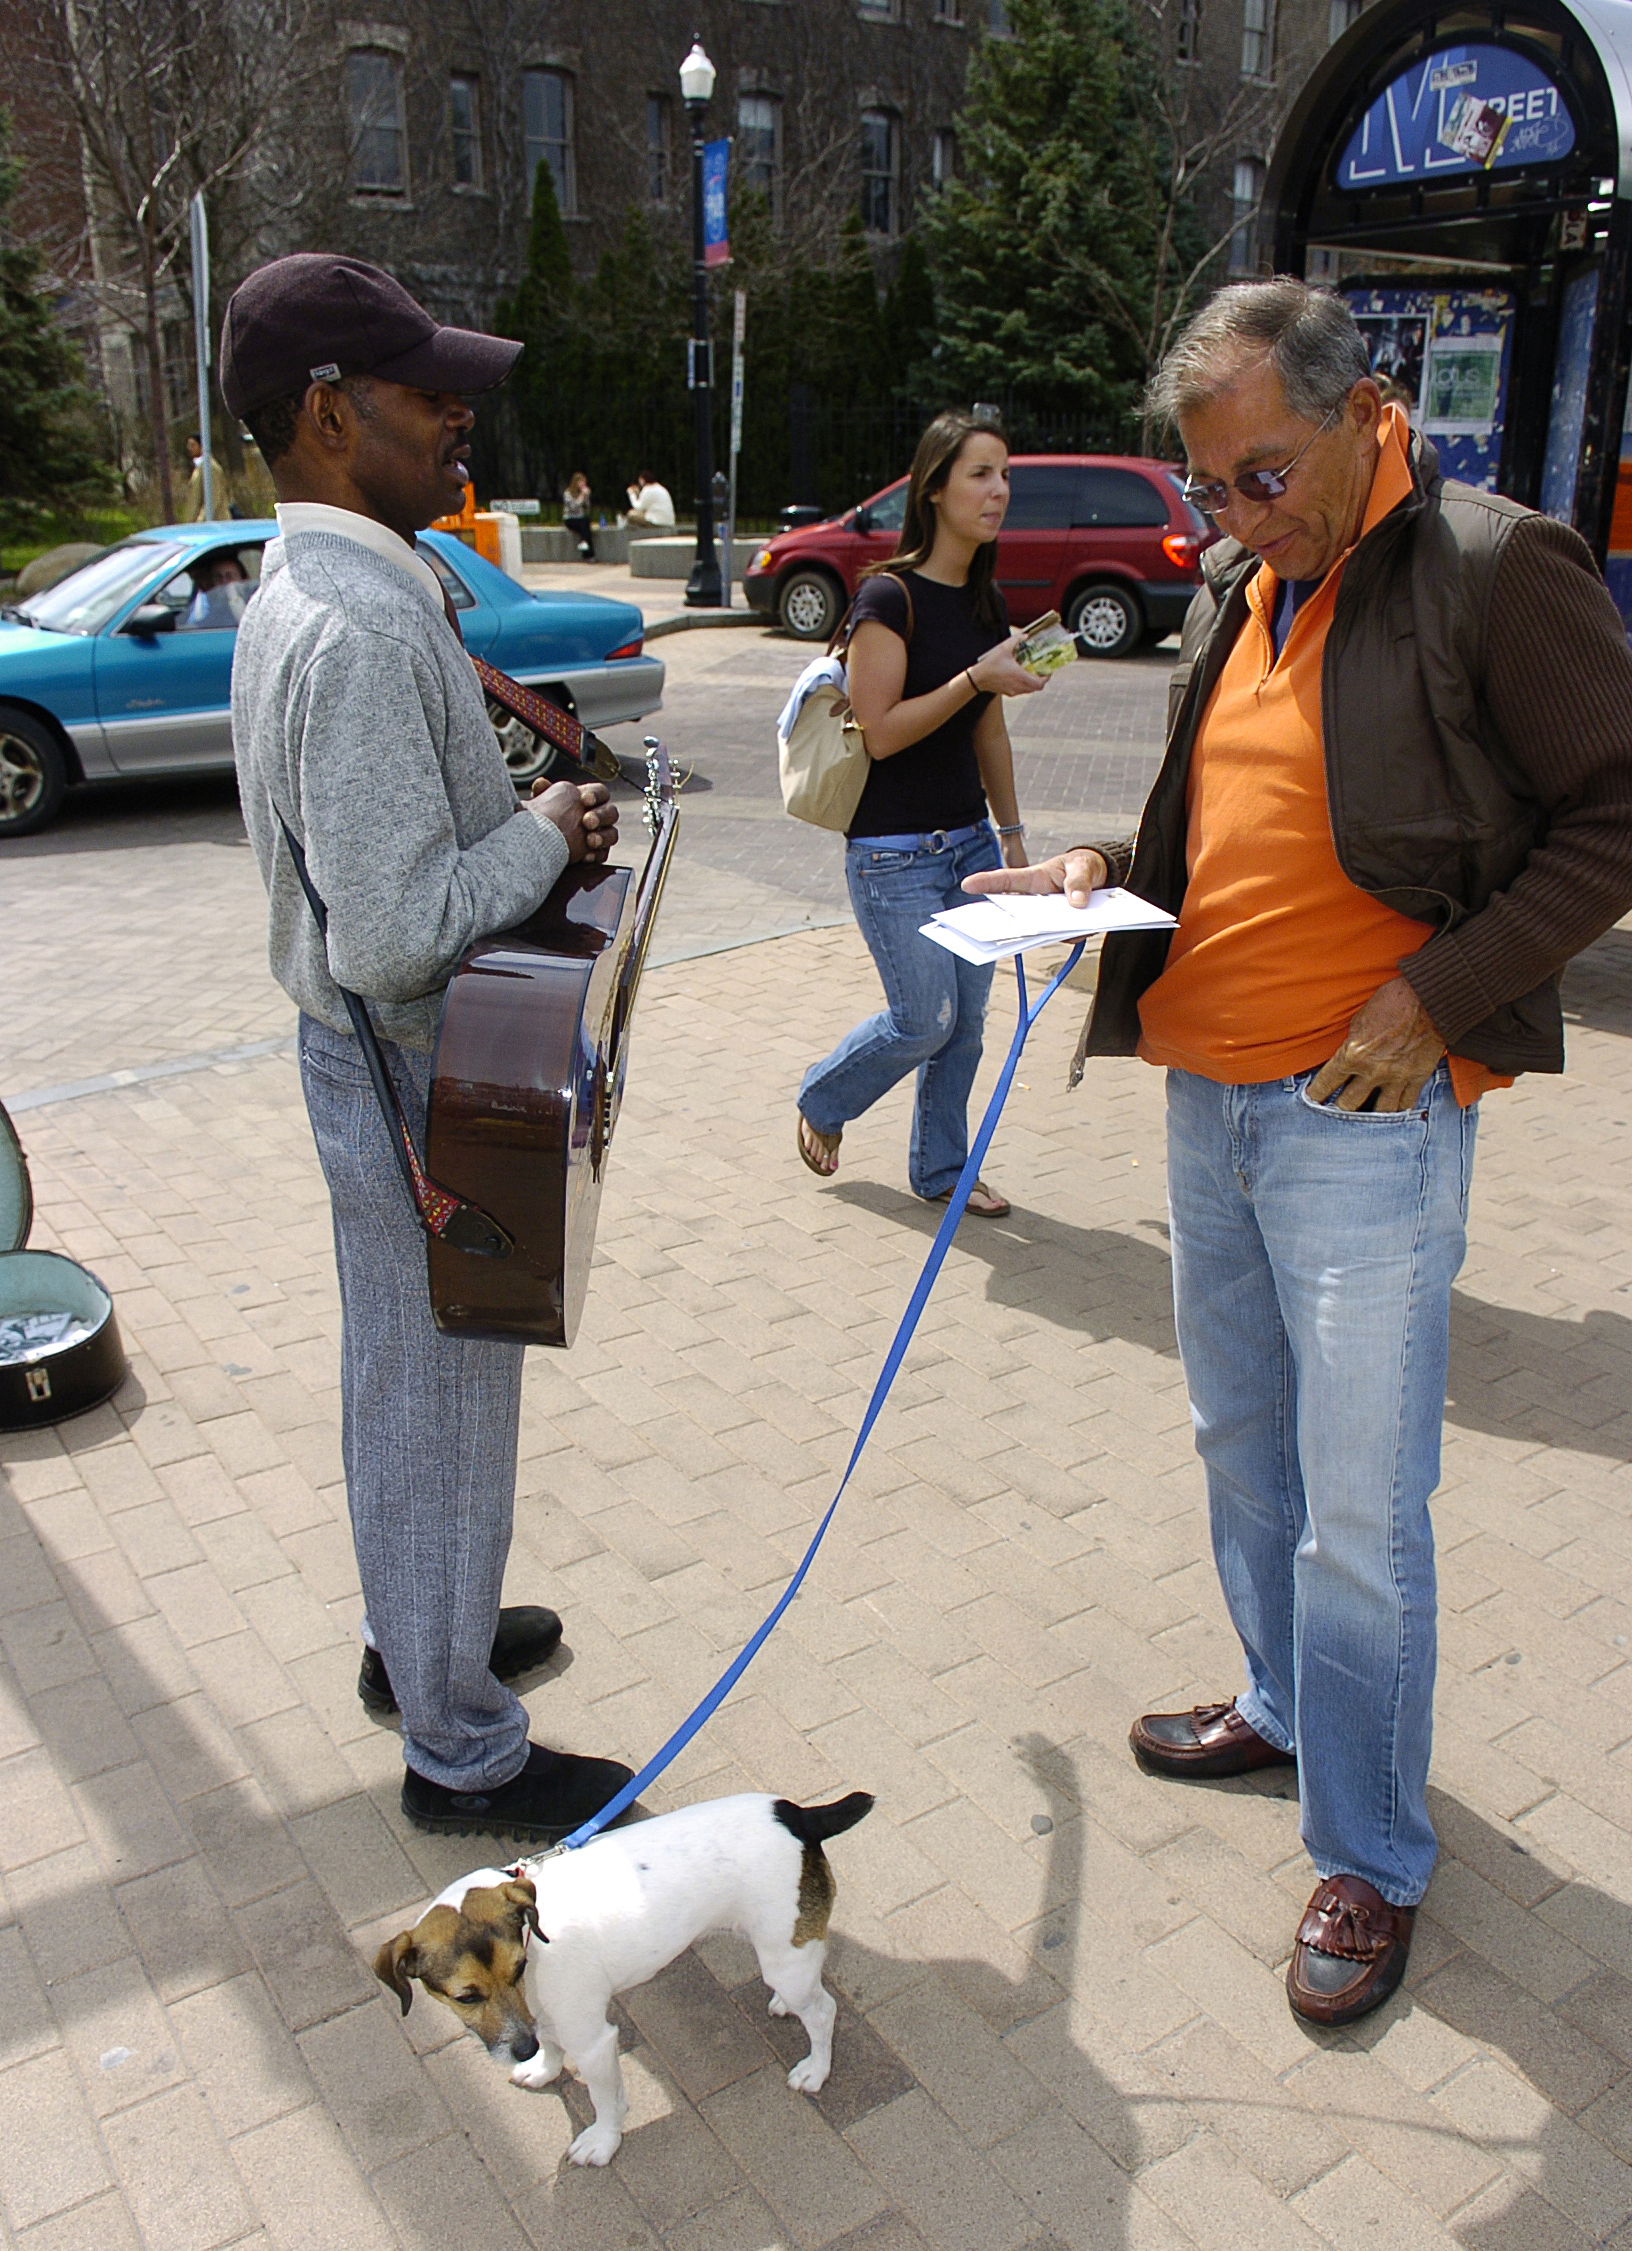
[200, 1936]
[1550, 1380]
[135, 815]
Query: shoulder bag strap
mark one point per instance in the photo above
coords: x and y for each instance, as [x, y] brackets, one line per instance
[448, 1217]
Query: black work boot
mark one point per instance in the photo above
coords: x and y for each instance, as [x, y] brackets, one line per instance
[528, 1637]
[545, 1802]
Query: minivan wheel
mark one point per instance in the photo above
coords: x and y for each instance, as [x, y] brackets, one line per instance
[33, 774]
[810, 605]
[1107, 619]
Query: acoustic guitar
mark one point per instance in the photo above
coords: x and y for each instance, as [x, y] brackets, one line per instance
[528, 1077]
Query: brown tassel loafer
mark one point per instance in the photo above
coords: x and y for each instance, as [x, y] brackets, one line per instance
[1203, 1744]
[1350, 1952]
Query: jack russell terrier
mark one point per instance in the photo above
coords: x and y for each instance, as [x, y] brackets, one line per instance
[613, 1914]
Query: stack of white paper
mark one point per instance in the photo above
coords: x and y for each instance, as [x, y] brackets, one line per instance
[1012, 922]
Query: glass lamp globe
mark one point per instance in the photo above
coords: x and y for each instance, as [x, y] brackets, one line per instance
[697, 75]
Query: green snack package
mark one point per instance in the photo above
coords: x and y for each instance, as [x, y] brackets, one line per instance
[1046, 647]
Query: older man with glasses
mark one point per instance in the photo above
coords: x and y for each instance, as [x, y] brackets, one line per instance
[1397, 798]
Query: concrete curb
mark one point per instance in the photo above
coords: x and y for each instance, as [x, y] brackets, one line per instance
[688, 619]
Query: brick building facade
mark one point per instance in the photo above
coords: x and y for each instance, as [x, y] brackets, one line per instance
[418, 127]
[439, 119]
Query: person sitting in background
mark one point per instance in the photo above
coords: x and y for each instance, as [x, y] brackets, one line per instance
[649, 503]
[575, 514]
[223, 589]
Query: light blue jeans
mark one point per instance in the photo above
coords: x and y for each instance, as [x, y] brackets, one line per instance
[1313, 1256]
[935, 1007]
[428, 1428]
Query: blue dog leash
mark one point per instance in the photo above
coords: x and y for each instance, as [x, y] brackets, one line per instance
[886, 1376]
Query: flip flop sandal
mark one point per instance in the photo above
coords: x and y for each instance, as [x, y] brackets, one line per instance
[997, 1209]
[830, 1148]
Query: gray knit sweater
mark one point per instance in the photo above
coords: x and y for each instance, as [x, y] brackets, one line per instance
[356, 714]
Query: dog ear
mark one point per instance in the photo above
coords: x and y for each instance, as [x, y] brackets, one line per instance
[523, 1897]
[395, 1963]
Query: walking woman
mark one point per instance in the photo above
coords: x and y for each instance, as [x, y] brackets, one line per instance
[929, 658]
[575, 514]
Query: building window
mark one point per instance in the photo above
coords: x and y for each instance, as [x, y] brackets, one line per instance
[379, 154]
[1246, 194]
[464, 126]
[948, 11]
[880, 170]
[1188, 40]
[546, 101]
[997, 18]
[880, 11]
[657, 148]
[1254, 38]
[759, 131]
[943, 157]
[1340, 14]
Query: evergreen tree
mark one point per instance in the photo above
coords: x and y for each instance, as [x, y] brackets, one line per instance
[540, 304]
[909, 315]
[52, 458]
[1044, 253]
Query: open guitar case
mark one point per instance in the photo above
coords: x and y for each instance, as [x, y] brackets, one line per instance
[60, 1350]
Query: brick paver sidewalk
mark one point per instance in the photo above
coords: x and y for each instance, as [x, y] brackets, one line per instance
[1061, 2018]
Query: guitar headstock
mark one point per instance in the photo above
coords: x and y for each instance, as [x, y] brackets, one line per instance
[659, 783]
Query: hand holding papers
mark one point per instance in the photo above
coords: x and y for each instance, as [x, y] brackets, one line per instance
[1012, 922]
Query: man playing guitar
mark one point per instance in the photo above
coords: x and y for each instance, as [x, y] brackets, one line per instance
[361, 732]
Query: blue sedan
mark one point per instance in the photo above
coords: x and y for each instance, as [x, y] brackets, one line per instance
[124, 667]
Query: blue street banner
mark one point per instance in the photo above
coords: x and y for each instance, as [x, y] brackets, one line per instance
[716, 246]
[1462, 109]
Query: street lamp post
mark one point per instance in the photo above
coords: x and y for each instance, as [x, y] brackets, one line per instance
[703, 586]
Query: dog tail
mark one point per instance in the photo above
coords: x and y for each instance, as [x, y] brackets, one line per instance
[814, 1824]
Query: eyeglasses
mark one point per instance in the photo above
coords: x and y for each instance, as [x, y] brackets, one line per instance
[1212, 495]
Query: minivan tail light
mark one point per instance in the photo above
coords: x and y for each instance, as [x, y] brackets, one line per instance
[629, 649]
[1183, 549]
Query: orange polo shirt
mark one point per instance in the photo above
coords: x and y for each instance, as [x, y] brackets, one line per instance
[1276, 949]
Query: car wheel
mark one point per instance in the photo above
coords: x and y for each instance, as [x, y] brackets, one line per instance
[529, 756]
[1107, 619]
[33, 775]
[810, 606]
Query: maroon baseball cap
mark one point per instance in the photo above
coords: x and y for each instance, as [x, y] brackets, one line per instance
[311, 318]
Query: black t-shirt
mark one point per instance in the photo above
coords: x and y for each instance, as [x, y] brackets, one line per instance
[935, 783]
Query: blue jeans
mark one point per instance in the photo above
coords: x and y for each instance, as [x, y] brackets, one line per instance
[428, 1428]
[1313, 1256]
[934, 1013]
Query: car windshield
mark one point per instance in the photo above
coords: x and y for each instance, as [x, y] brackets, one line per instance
[84, 601]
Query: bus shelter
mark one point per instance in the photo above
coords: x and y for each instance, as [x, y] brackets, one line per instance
[1464, 176]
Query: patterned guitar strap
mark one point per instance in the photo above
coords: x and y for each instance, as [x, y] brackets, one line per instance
[546, 719]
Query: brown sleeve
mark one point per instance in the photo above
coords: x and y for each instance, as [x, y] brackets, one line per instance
[1558, 686]
[1117, 855]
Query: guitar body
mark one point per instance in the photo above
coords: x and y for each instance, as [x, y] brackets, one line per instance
[530, 1064]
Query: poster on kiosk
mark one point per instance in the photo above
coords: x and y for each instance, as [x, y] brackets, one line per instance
[1463, 190]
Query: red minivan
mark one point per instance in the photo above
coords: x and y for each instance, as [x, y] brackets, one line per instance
[1108, 540]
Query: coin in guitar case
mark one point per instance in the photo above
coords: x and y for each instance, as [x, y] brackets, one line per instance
[60, 1349]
